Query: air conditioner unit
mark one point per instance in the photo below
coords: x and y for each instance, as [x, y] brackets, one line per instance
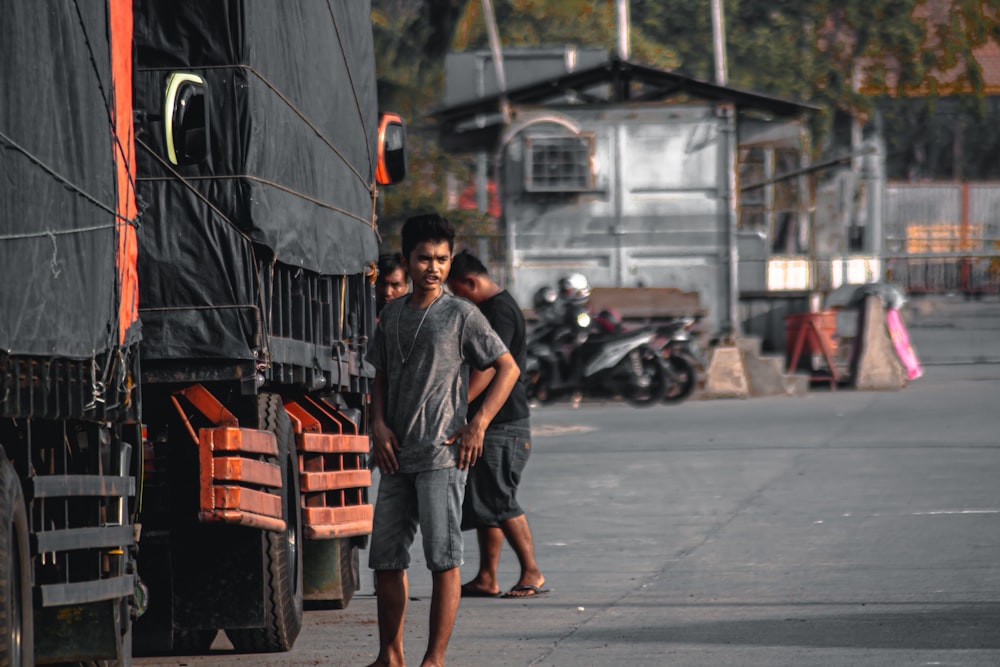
[559, 163]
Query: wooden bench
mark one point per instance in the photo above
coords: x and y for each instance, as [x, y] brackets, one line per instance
[647, 303]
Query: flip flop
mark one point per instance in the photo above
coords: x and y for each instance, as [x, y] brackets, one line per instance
[473, 592]
[536, 591]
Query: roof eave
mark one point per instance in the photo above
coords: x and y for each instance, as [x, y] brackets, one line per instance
[619, 72]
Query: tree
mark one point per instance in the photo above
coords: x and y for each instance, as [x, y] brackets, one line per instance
[854, 58]
[411, 39]
[526, 23]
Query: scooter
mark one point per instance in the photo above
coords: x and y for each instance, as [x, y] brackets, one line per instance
[566, 356]
[678, 348]
[682, 354]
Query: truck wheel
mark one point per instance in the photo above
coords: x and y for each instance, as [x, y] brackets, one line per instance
[282, 551]
[17, 637]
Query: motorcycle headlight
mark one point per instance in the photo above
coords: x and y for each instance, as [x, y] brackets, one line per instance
[583, 319]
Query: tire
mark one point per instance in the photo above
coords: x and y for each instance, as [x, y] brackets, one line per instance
[17, 637]
[282, 551]
[684, 378]
[645, 377]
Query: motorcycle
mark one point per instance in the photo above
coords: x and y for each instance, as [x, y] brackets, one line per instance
[676, 345]
[567, 356]
[680, 351]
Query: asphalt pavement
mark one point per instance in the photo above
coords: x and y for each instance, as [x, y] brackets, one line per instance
[954, 329]
[838, 528]
[841, 528]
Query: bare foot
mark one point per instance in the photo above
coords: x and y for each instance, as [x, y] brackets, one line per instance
[384, 663]
[474, 590]
[387, 661]
[527, 590]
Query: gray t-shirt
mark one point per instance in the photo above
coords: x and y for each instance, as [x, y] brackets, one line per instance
[426, 356]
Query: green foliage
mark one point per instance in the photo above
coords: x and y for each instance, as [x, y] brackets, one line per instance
[585, 23]
[817, 51]
[411, 38]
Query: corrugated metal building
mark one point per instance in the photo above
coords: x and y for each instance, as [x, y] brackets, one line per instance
[622, 172]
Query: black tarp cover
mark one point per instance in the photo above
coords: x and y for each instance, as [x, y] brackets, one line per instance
[66, 253]
[293, 118]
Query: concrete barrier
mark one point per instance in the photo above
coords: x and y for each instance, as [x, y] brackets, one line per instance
[877, 367]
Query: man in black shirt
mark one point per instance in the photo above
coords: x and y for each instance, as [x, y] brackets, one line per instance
[490, 504]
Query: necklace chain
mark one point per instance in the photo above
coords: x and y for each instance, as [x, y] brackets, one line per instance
[404, 358]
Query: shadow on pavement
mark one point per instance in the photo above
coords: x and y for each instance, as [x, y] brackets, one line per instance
[961, 626]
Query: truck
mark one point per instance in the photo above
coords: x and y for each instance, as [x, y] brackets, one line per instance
[260, 149]
[70, 411]
[188, 240]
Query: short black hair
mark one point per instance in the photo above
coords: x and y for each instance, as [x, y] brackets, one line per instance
[464, 264]
[388, 263]
[426, 227]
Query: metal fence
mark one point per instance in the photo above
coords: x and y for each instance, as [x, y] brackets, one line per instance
[937, 238]
[943, 237]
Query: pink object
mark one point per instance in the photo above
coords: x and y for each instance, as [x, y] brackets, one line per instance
[901, 341]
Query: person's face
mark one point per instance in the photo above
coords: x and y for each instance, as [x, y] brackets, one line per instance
[428, 265]
[391, 286]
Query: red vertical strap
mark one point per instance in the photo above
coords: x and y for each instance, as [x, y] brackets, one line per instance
[963, 239]
[120, 15]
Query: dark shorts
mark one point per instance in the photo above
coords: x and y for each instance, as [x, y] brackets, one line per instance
[491, 490]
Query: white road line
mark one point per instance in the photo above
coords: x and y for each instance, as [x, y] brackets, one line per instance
[940, 512]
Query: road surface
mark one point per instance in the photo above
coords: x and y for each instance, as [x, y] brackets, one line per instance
[839, 528]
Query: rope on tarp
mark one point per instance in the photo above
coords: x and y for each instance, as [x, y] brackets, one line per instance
[369, 184]
[99, 386]
[262, 181]
[350, 77]
[177, 177]
[298, 112]
[108, 106]
[73, 188]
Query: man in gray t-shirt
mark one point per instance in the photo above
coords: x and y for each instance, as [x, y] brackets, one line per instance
[423, 349]
[427, 374]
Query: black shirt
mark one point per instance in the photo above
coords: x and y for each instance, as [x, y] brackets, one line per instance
[507, 320]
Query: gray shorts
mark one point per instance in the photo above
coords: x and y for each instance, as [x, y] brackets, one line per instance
[491, 492]
[432, 500]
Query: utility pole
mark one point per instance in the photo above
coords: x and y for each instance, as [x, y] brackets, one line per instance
[496, 51]
[728, 175]
[726, 374]
[621, 12]
[719, 42]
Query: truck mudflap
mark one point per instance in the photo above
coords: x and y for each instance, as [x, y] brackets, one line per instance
[233, 480]
[334, 476]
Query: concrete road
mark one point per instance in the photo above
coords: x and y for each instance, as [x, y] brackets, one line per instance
[840, 528]
[954, 329]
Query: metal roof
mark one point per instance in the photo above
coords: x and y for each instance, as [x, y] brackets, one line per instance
[618, 81]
